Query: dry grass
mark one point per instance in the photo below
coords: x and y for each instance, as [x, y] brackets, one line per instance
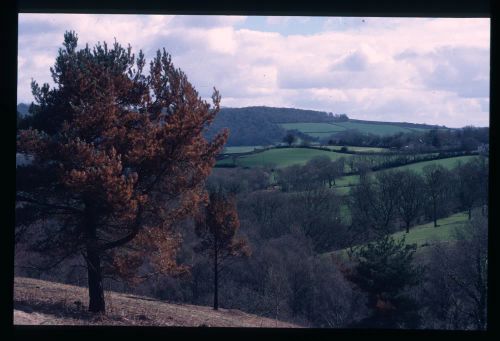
[40, 302]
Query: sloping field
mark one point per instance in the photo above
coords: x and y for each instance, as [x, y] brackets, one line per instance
[327, 129]
[447, 163]
[240, 149]
[360, 149]
[377, 129]
[39, 302]
[283, 157]
[418, 167]
[314, 129]
[426, 234]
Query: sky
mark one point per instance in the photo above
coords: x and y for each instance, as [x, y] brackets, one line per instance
[422, 70]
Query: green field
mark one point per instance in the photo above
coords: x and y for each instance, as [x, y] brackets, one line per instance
[327, 129]
[341, 190]
[426, 234]
[282, 157]
[377, 129]
[240, 149]
[314, 129]
[449, 163]
[360, 149]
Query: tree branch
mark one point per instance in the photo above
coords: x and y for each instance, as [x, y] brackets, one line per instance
[127, 238]
[36, 202]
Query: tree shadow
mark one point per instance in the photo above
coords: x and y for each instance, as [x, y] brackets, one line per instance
[60, 309]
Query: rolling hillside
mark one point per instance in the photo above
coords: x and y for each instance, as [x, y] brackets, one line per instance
[418, 167]
[282, 157]
[262, 125]
[38, 302]
[426, 234]
[326, 129]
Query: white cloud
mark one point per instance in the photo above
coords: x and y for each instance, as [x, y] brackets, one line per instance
[404, 69]
[205, 21]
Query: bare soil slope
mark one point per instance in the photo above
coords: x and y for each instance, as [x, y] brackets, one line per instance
[38, 302]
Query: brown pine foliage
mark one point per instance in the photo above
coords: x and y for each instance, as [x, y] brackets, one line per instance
[118, 157]
[217, 226]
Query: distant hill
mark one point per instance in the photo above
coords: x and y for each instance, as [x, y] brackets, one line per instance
[282, 115]
[38, 302]
[402, 124]
[262, 125]
[248, 126]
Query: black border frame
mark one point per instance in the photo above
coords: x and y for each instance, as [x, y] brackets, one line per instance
[385, 8]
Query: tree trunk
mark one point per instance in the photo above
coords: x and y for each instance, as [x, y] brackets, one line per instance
[96, 290]
[407, 227]
[435, 215]
[216, 283]
[470, 213]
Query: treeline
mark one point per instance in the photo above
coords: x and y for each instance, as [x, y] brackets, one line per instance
[247, 127]
[287, 115]
[408, 125]
[465, 139]
[260, 125]
[362, 162]
[436, 193]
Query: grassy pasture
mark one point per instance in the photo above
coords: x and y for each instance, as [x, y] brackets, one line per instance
[418, 167]
[314, 129]
[425, 234]
[377, 129]
[240, 149]
[282, 157]
[360, 149]
[341, 190]
[447, 163]
[327, 129]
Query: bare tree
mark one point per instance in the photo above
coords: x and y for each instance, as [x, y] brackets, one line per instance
[471, 180]
[410, 195]
[456, 292]
[373, 204]
[437, 180]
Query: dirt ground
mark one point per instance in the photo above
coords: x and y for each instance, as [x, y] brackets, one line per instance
[38, 302]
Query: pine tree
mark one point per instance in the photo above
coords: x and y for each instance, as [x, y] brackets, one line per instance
[118, 157]
[384, 271]
[217, 227]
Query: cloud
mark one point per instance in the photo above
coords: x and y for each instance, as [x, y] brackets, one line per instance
[287, 21]
[206, 21]
[463, 70]
[403, 69]
[356, 61]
